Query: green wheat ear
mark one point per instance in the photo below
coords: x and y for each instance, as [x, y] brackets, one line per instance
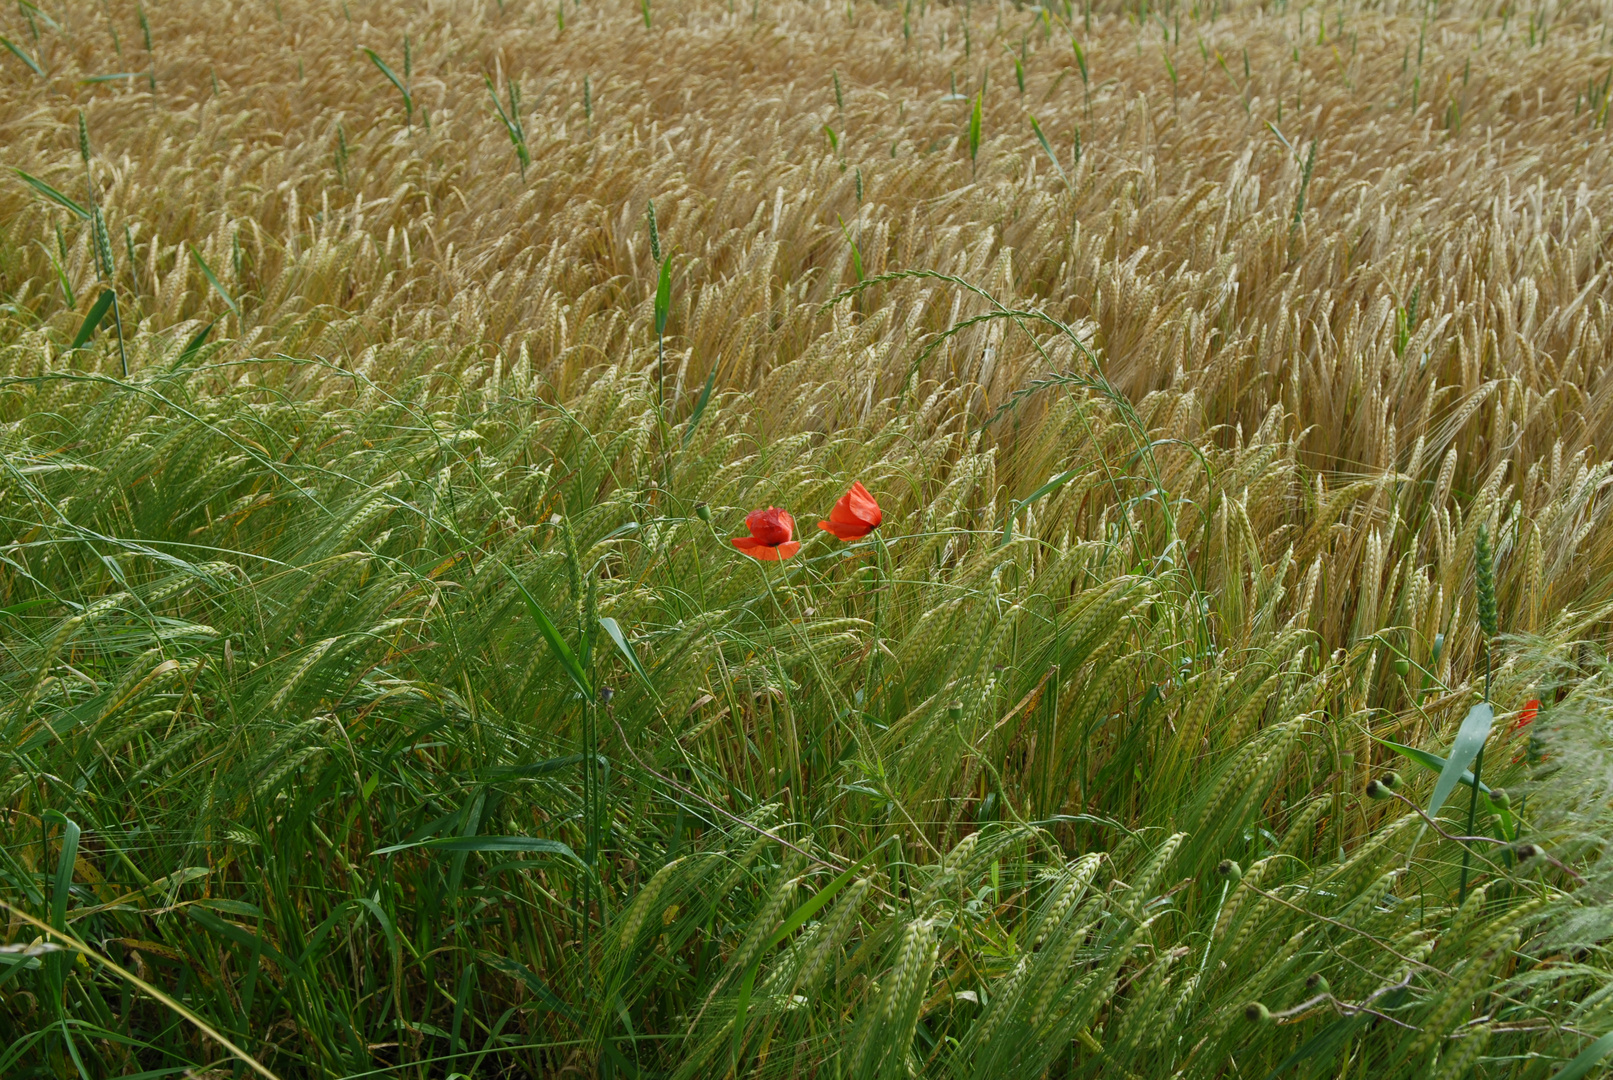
[103, 245]
[655, 234]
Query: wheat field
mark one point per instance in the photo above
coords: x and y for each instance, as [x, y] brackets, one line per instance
[1224, 693]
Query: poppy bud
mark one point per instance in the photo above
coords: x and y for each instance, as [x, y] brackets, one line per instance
[703, 512]
[1256, 1013]
[772, 535]
[1402, 667]
[955, 711]
[1230, 870]
[1529, 851]
[1376, 790]
[1390, 780]
[1439, 648]
[1317, 983]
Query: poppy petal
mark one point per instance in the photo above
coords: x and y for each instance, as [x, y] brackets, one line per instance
[844, 531]
[774, 552]
[842, 514]
[863, 505]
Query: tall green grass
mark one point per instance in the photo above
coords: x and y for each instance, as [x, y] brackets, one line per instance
[284, 738]
[380, 694]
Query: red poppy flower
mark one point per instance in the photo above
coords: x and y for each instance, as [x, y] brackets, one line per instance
[1527, 714]
[854, 516]
[770, 538]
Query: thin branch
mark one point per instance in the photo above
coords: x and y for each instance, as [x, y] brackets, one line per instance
[1349, 1008]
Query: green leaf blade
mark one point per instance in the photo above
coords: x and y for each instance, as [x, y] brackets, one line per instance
[974, 126]
[1048, 149]
[1586, 1060]
[557, 645]
[386, 70]
[455, 844]
[197, 340]
[1470, 738]
[53, 195]
[92, 321]
[613, 630]
[212, 279]
[700, 405]
[17, 51]
[663, 296]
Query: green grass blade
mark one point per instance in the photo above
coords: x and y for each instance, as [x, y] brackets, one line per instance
[1054, 158]
[1432, 762]
[1435, 763]
[546, 997]
[52, 194]
[1586, 1060]
[72, 1050]
[856, 253]
[529, 844]
[700, 405]
[64, 867]
[39, 13]
[663, 296]
[460, 998]
[614, 631]
[197, 340]
[87, 328]
[1046, 489]
[561, 650]
[392, 76]
[17, 51]
[537, 768]
[504, 117]
[974, 126]
[19, 965]
[68, 298]
[240, 935]
[212, 279]
[1470, 737]
[796, 920]
[1323, 1042]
